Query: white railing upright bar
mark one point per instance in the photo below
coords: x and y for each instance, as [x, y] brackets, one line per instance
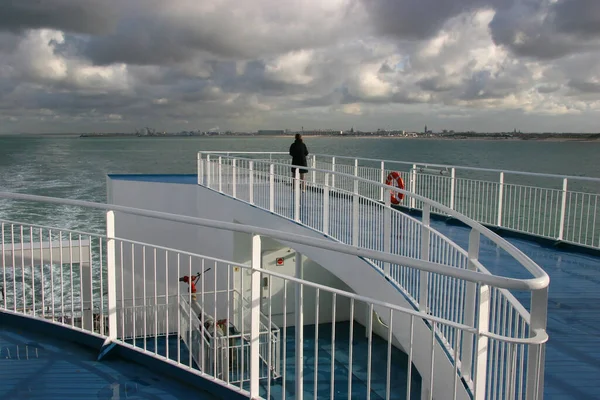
[234, 177]
[536, 356]
[413, 185]
[200, 165]
[382, 179]
[333, 170]
[271, 187]
[299, 337]
[326, 205]
[251, 182]
[355, 214]
[314, 171]
[255, 299]
[297, 195]
[387, 233]
[452, 187]
[111, 275]
[469, 368]
[208, 171]
[220, 172]
[500, 198]
[563, 209]
[425, 248]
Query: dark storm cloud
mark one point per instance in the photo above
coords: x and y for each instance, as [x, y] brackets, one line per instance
[577, 17]
[545, 30]
[420, 19]
[548, 88]
[435, 84]
[484, 85]
[8, 42]
[584, 86]
[84, 16]
[69, 103]
[159, 33]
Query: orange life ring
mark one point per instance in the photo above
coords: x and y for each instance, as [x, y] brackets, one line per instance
[394, 179]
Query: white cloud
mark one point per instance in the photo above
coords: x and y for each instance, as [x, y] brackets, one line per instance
[352, 109]
[291, 68]
[244, 65]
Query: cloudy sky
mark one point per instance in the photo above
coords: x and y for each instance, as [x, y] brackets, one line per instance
[117, 65]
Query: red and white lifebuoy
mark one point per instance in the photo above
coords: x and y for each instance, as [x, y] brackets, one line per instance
[394, 179]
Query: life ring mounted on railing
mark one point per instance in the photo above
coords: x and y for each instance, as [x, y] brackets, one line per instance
[394, 179]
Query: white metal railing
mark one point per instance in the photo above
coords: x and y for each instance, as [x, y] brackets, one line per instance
[227, 345]
[498, 356]
[346, 213]
[560, 207]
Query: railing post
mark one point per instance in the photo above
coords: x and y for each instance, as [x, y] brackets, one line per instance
[208, 171]
[255, 317]
[220, 172]
[326, 205]
[469, 307]
[382, 180]
[536, 354]
[299, 311]
[233, 178]
[333, 170]
[111, 275]
[355, 214]
[251, 182]
[452, 187]
[500, 198]
[563, 210]
[413, 186]
[481, 351]
[297, 195]
[314, 165]
[200, 168]
[271, 187]
[387, 232]
[424, 275]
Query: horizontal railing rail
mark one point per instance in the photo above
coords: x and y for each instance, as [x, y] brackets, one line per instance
[108, 281]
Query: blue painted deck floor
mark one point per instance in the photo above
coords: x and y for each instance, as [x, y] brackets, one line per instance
[359, 365]
[398, 377]
[36, 366]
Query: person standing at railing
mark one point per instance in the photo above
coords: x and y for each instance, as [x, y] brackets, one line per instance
[299, 151]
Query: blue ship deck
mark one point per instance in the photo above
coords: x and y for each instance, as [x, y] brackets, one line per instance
[359, 357]
[573, 351]
[34, 365]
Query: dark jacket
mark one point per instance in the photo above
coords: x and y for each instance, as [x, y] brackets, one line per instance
[298, 151]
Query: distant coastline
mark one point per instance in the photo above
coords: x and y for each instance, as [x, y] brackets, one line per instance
[473, 136]
[547, 137]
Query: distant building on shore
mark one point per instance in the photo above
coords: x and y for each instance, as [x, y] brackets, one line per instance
[271, 132]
